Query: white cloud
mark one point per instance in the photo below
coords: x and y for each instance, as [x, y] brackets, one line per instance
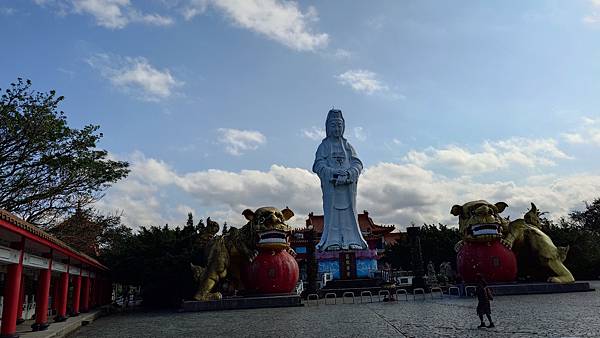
[342, 54]
[281, 21]
[222, 195]
[238, 141]
[594, 16]
[359, 133]
[108, 13]
[400, 194]
[7, 11]
[138, 196]
[362, 81]
[314, 133]
[194, 8]
[587, 133]
[151, 19]
[392, 193]
[494, 156]
[573, 138]
[136, 75]
[112, 14]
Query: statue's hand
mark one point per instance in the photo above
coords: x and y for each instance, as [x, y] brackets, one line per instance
[340, 172]
[342, 180]
[292, 252]
[506, 243]
[253, 255]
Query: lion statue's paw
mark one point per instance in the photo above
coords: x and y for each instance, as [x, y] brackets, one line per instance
[208, 296]
[506, 243]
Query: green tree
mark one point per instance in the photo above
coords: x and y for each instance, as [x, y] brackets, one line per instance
[583, 258]
[46, 167]
[190, 220]
[158, 259]
[589, 219]
[90, 231]
[437, 245]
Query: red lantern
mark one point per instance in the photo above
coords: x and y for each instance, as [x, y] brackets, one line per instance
[492, 260]
[272, 271]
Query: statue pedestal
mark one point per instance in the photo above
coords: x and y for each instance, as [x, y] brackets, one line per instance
[271, 272]
[492, 260]
[347, 264]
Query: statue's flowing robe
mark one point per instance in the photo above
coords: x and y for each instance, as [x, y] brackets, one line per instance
[339, 201]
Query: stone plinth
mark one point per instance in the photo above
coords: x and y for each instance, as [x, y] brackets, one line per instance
[537, 288]
[237, 303]
[362, 263]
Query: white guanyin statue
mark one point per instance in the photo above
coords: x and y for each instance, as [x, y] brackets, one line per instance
[338, 167]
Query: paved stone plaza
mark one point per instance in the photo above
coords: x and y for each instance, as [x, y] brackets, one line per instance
[556, 315]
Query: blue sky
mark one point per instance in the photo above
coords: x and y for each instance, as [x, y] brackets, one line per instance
[219, 105]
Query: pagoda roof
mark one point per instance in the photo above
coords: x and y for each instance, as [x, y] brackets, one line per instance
[366, 224]
[14, 224]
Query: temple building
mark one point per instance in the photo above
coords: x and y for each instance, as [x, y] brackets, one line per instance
[41, 276]
[303, 240]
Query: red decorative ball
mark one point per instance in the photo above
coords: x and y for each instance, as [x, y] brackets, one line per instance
[493, 260]
[272, 271]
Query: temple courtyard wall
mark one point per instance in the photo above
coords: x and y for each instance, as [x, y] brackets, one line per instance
[547, 315]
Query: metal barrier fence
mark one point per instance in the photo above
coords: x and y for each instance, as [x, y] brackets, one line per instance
[383, 292]
[399, 291]
[365, 293]
[345, 294]
[312, 296]
[328, 296]
[420, 290]
[470, 287]
[454, 288]
[437, 289]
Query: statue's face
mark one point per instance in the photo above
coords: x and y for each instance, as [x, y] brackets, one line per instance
[269, 224]
[337, 127]
[480, 220]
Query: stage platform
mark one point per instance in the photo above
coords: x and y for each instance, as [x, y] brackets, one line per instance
[538, 288]
[237, 303]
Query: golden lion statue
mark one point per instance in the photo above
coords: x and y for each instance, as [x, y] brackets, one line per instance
[480, 221]
[226, 253]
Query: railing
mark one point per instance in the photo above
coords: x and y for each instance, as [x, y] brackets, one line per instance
[437, 289]
[470, 287]
[366, 293]
[328, 296]
[420, 290]
[400, 291]
[313, 296]
[345, 295]
[383, 292]
[454, 288]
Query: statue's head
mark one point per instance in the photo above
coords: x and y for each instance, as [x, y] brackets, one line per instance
[335, 125]
[480, 220]
[269, 225]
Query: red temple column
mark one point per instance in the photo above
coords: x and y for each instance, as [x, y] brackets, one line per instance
[21, 301]
[93, 286]
[76, 294]
[106, 294]
[63, 294]
[54, 287]
[43, 293]
[100, 293]
[85, 294]
[8, 327]
[11, 296]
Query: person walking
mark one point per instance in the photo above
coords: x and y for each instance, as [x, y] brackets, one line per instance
[484, 296]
